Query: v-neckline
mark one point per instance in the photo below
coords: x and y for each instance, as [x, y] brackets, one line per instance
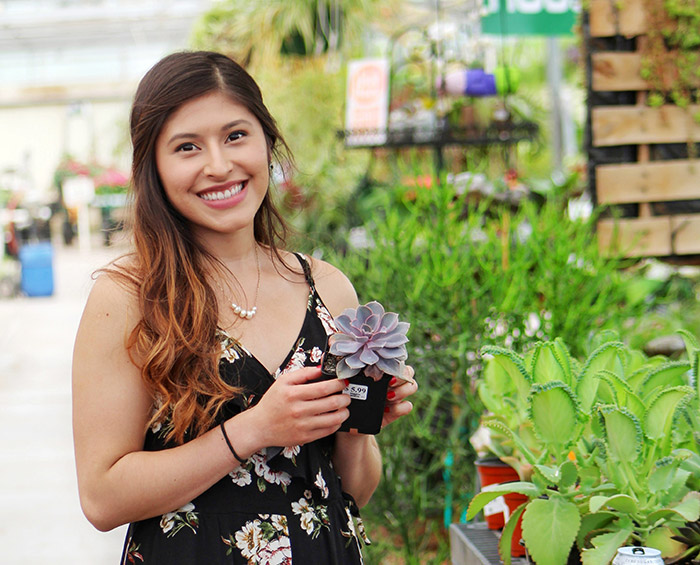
[291, 350]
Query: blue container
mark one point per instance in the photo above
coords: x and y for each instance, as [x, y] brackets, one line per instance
[36, 261]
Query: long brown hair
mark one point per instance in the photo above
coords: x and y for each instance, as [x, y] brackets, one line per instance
[175, 342]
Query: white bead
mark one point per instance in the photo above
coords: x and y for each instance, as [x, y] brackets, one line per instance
[249, 314]
[237, 309]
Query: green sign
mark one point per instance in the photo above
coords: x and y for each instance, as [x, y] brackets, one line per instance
[529, 17]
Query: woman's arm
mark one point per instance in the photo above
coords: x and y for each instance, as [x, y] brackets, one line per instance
[118, 481]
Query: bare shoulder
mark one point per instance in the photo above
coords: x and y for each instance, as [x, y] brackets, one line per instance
[112, 308]
[333, 286]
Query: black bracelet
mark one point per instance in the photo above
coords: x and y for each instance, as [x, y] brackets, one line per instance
[228, 442]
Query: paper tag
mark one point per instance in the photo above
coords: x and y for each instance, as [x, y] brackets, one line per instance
[497, 506]
[356, 392]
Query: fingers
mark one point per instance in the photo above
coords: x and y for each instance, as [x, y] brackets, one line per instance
[394, 411]
[399, 390]
[321, 405]
[300, 376]
[313, 386]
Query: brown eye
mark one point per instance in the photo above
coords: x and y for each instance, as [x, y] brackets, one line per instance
[235, 135]
[186, 147]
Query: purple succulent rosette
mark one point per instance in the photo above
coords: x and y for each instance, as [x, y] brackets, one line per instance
[371, 339]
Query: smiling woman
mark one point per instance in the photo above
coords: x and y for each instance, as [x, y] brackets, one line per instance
[199, 415]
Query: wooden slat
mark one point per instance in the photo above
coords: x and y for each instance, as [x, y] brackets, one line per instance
[636, 237]
[686, 230]
[648, 182]
[658, 236]
[631, 15]
[632, 125]
[617, 71]
[613, 71]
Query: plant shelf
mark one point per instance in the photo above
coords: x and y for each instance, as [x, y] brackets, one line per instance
[475, 544]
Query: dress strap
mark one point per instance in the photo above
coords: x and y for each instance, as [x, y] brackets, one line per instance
[307, 270]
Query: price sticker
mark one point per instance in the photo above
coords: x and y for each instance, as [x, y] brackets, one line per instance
[356, 392]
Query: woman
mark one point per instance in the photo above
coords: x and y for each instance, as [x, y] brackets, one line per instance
[199, 416]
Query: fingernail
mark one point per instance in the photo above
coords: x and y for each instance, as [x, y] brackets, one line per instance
[391, 394]
[393, 380]
[386, 409]
[347, 382]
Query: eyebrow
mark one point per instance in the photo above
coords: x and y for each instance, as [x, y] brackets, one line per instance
[229, 125]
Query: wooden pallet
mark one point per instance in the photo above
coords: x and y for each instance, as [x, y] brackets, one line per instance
[642, 181]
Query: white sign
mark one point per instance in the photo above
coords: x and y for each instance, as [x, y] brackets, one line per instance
[367, 102]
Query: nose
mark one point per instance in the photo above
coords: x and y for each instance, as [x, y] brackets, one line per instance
[218, 164]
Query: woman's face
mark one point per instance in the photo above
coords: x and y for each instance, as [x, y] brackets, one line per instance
[212, 158]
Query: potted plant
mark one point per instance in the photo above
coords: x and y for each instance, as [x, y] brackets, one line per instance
[367, 350]
[610, 468]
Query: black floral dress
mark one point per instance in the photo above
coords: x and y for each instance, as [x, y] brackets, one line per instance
[284, 506]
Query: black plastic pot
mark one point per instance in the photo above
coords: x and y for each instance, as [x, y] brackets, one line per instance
[368, 399]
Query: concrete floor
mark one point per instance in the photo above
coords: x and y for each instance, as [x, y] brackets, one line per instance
[43, 523]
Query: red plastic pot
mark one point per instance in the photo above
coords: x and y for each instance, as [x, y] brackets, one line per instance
[496, 513]
[495, 472]
[513, 500]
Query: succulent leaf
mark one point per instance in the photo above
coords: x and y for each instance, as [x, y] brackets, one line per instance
[661, 410]
[619, 387]
[605, 545]
[549, 529]
[511, 365]
[690, 340]
[565, 359]
[546, 365]
[689, 507]
[662, 539]
[568, 473]
[554, 415]
[505, 543]
[548, 473]
[667, 375]
[623, 434]
[491, 492]
[592, 521]
[622, 502]
[606, 357]
[663, 474]
[500, 426]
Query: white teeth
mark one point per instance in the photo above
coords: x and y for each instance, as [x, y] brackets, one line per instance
[228, 193]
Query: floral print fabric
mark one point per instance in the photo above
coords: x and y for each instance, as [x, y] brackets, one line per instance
[283, 506]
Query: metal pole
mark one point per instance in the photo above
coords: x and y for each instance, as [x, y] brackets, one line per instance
[554, 76]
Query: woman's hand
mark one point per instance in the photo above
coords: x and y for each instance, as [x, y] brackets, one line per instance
[295, 410]
[399, 390]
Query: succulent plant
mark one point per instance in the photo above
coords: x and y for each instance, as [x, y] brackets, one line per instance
[371, 339]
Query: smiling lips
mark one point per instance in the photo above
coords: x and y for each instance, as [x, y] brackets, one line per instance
[215, 195]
